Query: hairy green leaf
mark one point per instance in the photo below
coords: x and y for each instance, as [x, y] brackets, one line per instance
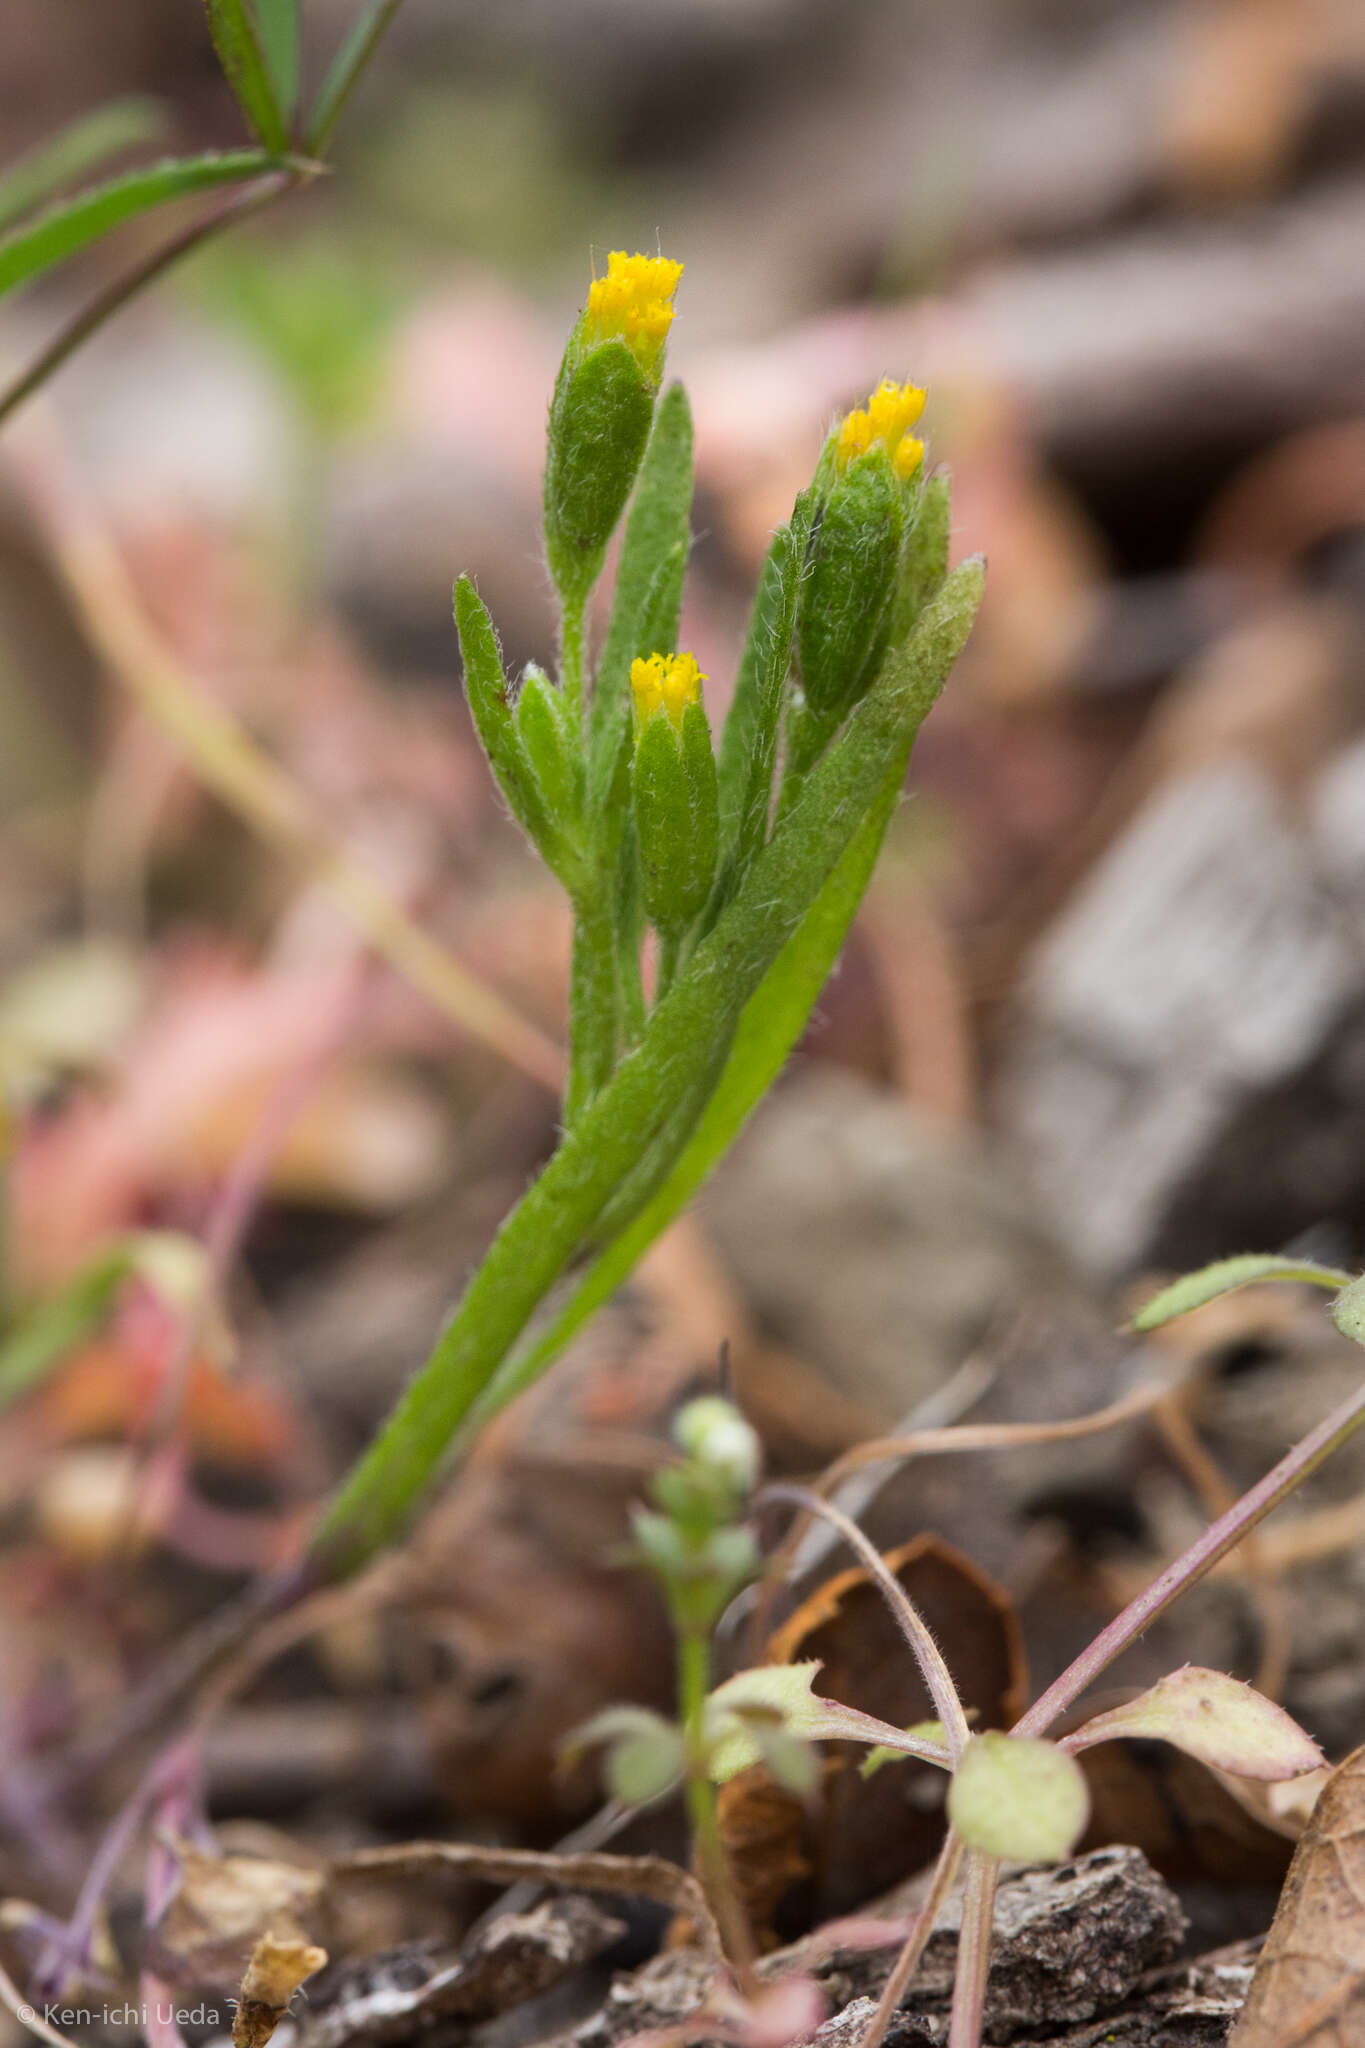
[1220, 1720]
[649, 580]
[1223, 1276]
[748, 751]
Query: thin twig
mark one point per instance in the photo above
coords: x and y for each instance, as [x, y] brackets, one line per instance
[937, 1677]
[228, 760]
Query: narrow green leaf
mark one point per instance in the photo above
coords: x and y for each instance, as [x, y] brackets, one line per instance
[278, 34]
[76, 150]
[486, 694]
[347, 69]
[748, 748]
[1192, 1290]
[30, 250]
[649, 580]
[43, 1337]
[235, 38]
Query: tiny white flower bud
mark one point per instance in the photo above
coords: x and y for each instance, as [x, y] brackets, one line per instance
[715, 1433]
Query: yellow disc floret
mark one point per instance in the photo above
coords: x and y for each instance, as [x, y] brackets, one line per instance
[886, 421]
[665, 682]
[634, 303]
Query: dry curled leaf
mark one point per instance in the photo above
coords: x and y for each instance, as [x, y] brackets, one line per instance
[1309, 1986]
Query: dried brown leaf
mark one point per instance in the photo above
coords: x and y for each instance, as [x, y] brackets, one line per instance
[1309, 1986]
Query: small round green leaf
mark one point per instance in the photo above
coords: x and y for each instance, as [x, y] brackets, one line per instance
[1018, 1798]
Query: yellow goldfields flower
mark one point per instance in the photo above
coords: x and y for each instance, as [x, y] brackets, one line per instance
[634, 303]
[666, 682]
[889, 414]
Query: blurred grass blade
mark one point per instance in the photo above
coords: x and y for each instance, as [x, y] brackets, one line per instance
[79, 148]
[277, 22]
[348, 68]
[42, 1338]
[30, 250]
[244, 66]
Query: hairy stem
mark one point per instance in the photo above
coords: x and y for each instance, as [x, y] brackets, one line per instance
[973, 1951]
[935, 1673]
[594, 1002]
[572, 650]
[907, 1962]
[694, 1683]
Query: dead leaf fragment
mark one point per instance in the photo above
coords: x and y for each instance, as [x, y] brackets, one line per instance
[226, 1909]
[1309, 1986]
[273, 1975]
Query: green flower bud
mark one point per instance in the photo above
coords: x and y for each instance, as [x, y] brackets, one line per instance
[863, 496]
[677, 819]
[601, 412]
[851, 566]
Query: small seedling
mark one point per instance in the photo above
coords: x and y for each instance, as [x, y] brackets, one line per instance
[1015, 1795]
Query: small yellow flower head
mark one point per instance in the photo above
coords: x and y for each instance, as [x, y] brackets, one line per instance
[886, 420]
[665, 682]
[634, 303]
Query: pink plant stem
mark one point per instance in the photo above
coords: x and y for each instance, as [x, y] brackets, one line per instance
[935, 1673]
[1192, 1564]
[908, 1961]
[973, 1951]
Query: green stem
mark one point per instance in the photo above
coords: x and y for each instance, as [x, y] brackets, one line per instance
[670, 951]
[594, 1003]
[572, 650]
[713, 1864]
